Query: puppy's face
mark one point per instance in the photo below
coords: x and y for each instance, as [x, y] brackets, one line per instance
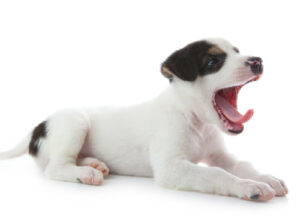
[212, 72]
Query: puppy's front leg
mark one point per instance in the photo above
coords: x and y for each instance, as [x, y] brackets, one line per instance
[178, 173]
[219, 157]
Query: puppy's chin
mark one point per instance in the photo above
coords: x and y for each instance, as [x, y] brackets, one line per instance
[232, 132]
[235, 132]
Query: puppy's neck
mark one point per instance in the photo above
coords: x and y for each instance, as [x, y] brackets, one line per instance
[180, 99]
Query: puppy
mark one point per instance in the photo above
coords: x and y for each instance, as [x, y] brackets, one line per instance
[166, 137]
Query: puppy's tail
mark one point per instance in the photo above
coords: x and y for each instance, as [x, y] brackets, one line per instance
[18, 150]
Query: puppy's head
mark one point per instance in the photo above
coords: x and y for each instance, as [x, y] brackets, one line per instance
[211, 72]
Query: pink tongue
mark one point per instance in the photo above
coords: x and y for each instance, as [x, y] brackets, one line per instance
[231, 113]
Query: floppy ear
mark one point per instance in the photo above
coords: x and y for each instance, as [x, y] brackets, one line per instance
[182, 63]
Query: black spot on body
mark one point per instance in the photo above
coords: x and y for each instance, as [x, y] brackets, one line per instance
[39, 132]
[192, 61]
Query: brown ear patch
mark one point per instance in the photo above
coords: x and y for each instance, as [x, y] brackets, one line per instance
[215, 50]
[39, 132]
[166, 72]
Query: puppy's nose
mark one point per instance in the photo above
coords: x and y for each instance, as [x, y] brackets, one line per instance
[255, 64]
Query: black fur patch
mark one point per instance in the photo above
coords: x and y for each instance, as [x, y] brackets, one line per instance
[196, 59]
[39, 132]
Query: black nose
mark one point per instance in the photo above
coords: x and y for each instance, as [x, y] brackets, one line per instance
[255, 64]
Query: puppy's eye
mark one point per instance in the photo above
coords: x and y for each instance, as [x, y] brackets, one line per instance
[212, 62]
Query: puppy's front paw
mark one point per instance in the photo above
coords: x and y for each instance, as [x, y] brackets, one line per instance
[278, 185]
[254, 191]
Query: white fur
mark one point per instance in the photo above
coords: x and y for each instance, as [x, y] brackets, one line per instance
[164, 138]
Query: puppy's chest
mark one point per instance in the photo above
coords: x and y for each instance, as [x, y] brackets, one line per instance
[195, 142]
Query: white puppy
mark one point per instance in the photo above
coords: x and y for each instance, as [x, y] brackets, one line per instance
[165, 137]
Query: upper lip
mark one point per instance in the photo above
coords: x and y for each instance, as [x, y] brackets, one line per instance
[250, 79]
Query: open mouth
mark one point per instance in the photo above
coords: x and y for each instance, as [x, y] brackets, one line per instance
[225, 103]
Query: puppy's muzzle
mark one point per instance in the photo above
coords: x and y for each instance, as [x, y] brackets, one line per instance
[255, 64]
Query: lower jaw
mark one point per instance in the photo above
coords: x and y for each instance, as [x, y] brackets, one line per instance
[236, 131]
[229, 126]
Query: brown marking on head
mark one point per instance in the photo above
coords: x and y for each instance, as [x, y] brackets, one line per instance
[236, 49]
[215, 50]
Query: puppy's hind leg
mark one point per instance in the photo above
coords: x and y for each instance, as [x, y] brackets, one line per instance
[95, 163]
[66, 135]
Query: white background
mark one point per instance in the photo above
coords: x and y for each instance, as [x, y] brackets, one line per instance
[56, 54]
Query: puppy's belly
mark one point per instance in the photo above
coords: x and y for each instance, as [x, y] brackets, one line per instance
[132, 161]
[134, 168]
